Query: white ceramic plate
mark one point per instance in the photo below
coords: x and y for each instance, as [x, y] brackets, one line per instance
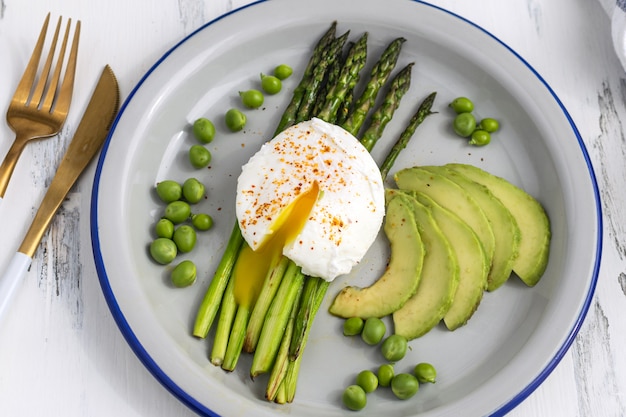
[518, 334]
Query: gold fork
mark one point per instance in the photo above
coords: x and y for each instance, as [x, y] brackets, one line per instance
[39, 108]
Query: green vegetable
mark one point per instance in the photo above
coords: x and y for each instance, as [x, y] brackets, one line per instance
[383, 114]
[464, 124]
[425, 372]
[169, 191]
[404, 386]
[354, 398]
[480, 138]
[252, 99]
[235, 120]
[394, 348]
[204, 130]
[373, 331]
[423, 111]
[489, 124]
[199, 156]
[271, 84]
[378, 77]
[283, 71]
[367, 380]
[353, 326]
[177, 211]
[164, 228]
[163, 250]
[462, 105]
[184, 274]
[202, 221]
[184, 238]
[385, 374]
[321, 48]
[355, 61]
[193, 190]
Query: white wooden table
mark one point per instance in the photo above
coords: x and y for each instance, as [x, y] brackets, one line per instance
[61, 353]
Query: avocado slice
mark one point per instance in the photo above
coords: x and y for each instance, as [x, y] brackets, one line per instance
[451, 196]
[531, 218]
[438, 284]
[473, 263]
[505, 229]
[402, 275]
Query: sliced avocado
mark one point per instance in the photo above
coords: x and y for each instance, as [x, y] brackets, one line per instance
[438, 284]
[451, 196]
[402, 275]
[505, 229]
[531, 218]
[473, 263]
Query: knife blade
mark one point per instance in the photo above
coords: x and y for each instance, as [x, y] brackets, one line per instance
[87, 141]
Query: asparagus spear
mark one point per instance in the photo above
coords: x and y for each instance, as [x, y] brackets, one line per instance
[378, 77]
[312, 89]
[331, 78]
[383, 114]
[213, 297]
[224, 325]
[423, 111]
[268, 291]
[355, 61]
[276, 320]
[289, 116]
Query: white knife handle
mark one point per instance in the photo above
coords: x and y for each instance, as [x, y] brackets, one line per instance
[9, 282]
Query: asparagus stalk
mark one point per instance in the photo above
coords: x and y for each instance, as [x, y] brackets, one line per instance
[378, 77]
[349, 76]
[213, 297]
[263, 302]
[319, 72]
[423, 111]
[289, 116]
[276, 320]
[383, 114]
[331, 78]
[235, 341]
[224, 325]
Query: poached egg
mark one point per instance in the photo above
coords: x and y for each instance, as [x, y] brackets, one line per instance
[313, 194]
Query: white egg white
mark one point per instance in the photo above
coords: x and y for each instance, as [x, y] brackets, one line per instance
[348, 213]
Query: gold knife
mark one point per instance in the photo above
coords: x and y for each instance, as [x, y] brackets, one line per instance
[87, 141]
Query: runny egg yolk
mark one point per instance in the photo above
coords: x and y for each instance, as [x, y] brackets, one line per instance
[253, 265]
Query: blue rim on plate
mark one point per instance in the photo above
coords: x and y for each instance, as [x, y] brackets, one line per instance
[201, 408]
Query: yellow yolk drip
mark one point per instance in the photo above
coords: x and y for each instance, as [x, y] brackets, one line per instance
[252, 266]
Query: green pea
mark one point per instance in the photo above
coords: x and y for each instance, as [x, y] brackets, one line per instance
[164, 228]
[235, 120]
[404, 386]
[373, 331]
[177, 211]
[462, 105]
[367, 380]
[193, 190]
[480, 138]
[202, 221]
[169, 191]
[271, 84]
[199, 156]
[163, 250]
[489, 124]
[385, 374]
[184, 238]
[464, 124]
[184, 274]
[283, 71]
[204, 130]
[354, 398]
[352, 326]
[394, 347]
[425, 372]
[253, 99]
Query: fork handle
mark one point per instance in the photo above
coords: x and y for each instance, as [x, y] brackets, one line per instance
[9, 162]
[9, 282]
